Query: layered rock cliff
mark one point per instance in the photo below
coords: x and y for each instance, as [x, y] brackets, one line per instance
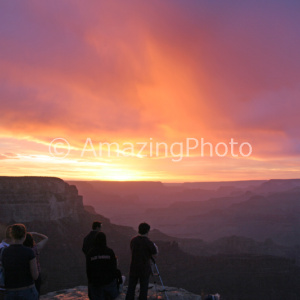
[27, 199]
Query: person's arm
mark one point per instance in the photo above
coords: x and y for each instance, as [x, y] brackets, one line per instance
[41, 244]
[34, 269]
[153, 248]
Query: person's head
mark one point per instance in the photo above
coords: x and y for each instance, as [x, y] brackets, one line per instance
[100, 240]
[18, 232]
[29, 241]
[8, 233]
[144, 228]
[96, 225]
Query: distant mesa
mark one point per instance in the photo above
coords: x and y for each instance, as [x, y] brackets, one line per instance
[278, 185]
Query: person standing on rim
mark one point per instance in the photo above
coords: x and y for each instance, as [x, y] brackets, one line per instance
[101, 269]
[88, 242]
[20, 267]
[142, 249]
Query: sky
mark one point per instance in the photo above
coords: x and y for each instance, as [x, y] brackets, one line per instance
[150, 90]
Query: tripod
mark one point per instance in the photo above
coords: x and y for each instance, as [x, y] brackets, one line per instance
[158, 274]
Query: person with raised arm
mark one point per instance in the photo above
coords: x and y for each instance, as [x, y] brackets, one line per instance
[36, 247]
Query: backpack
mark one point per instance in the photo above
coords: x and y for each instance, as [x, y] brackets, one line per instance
[1, 268]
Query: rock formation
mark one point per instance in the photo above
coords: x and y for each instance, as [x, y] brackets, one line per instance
[27, 199]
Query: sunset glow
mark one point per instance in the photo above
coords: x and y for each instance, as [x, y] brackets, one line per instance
[150, 72]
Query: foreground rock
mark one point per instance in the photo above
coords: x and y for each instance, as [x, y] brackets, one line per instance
[80, 292]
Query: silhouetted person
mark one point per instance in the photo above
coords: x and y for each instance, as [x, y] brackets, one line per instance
[101, 269]
[20, 267]
[36, 247]
[88, 241]
[142, 249]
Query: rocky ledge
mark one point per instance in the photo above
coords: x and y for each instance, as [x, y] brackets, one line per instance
[157, 292]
